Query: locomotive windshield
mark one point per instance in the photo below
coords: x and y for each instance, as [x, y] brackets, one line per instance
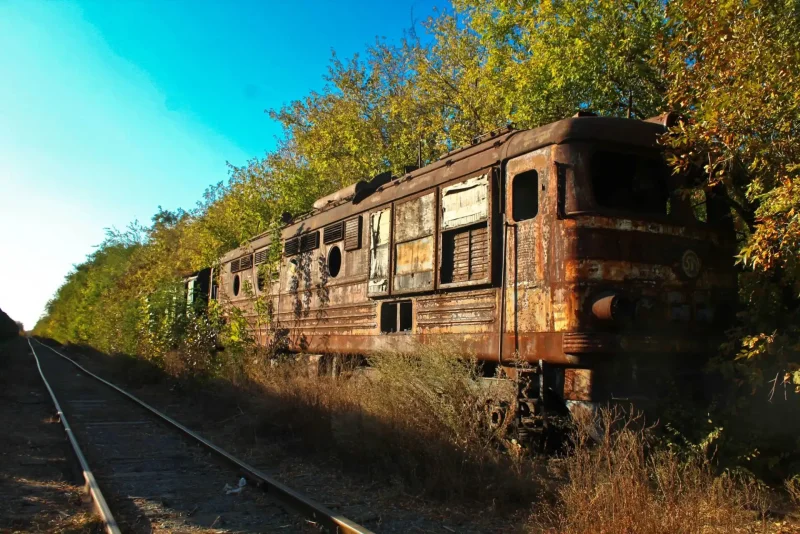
[630, 183]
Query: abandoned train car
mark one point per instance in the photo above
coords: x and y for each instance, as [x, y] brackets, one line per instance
[568, 247]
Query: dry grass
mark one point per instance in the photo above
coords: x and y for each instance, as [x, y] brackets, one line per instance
[420, 419]
[80, 523]
[50, 506]
[793, 489]
[417, 418]
[421, 422]
[620, 484]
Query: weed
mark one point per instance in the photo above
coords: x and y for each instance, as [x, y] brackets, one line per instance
[419, 421]
[619, 482]
[793, 489]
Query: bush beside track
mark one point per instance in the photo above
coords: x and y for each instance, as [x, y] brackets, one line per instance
[8, 327]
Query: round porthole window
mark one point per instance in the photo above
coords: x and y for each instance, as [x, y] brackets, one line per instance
[236, 284]
[334, 261]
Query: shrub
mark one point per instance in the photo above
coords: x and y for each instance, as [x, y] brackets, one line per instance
[624, 483]
[418, 418]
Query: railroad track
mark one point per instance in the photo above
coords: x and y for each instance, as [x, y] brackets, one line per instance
[158, 474]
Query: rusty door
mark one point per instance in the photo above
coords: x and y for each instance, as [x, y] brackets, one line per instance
[527, 295]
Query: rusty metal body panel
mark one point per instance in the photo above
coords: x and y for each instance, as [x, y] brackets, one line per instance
[445, 242]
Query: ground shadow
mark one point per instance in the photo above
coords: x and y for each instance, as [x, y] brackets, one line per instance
[368, 450]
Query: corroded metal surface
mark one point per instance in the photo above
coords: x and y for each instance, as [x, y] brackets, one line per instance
[507, 248]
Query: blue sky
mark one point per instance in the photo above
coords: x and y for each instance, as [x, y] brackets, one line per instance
[110, 109]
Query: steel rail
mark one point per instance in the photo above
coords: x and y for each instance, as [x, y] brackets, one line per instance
[90, 482]
[305, 505]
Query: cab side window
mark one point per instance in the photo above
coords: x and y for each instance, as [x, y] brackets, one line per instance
[525, 196]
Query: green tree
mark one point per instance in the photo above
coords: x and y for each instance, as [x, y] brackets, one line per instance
[549, 58]
[734, 71]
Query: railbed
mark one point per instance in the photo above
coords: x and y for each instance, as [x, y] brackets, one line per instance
[123, 453]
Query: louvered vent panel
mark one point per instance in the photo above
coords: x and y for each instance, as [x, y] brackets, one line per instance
[333, 233]
[291, 247]
[309, 241]
[241, 264]
[465, 254]
[261, 257]
[245, 262]
[352, 234]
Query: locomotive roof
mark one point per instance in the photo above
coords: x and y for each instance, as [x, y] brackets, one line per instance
[469, 160]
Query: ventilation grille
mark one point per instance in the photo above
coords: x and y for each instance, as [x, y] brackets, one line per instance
[352, 234]
[261, 256]
[245, 262]
[465, 254]
[242, 264]
[291, 247]
[333, 233]
[309, 241]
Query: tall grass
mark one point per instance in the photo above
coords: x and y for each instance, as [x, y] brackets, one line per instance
[624, 483]
[420, 420]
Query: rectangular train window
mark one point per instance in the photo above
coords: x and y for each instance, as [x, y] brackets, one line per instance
[466, 202]
[396, 317]
[525, 195]
[465, 233]
[380, 225]
[190, 290]
[289, 275]
[630, 183]
[414, 225]
[465, 255]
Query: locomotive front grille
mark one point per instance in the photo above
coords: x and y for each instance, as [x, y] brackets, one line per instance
[582, 342]
[610, 343]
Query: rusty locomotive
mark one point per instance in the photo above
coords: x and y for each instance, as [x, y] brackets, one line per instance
[568, 254]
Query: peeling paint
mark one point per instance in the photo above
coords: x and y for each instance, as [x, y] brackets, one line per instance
[439, 241]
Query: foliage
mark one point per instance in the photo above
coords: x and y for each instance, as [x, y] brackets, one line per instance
[8, 327]
[439, 382]
[734, 69]
[551, 57]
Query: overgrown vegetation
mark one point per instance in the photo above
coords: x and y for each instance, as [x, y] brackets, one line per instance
[9, 327]
[417, 422]
[415, 418]
[626, 483]
[732, 68]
